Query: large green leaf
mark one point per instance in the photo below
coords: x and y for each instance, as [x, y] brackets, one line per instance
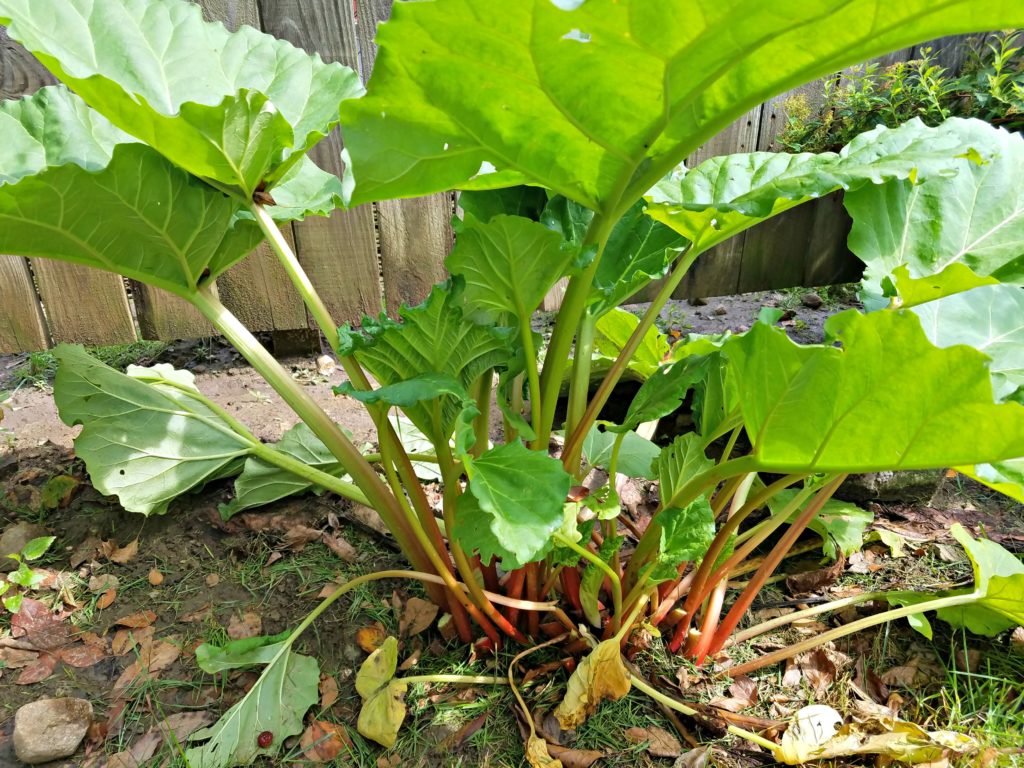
[664, 390]
[433, 338]
[725, 195]
[262, 483]
[1007, 477]
[679, 462]
[636, 455]
[990, 319]
[514, 503]
[508, 264]
[277, 702]
[685, 536]
[974, 219]
[75, 188]
[841, 524]
[888, 399]
[607, 97]
[238, 108]
[613, 330]
[145, 442]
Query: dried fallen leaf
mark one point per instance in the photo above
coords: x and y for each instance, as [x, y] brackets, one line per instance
[249, 624]
[103, 582]
[660, 743]
[537, 754]
[371, 637]
[155, 578]
[212, 579]
[84, 551]
[38, 626]
[417, 615]
[106, 599]
[158, 656]
[119, 555]
[136, 620]
[815, 667]
[328, 692]
[125, 640]
[200, 614]
[695, 758]
[82, 655]
[742, 694]
[38, 670]
[322, 741]
[902, 676]
[813, 581]
[340, 547]
[601, 675]
[574, 758]
[181, 725]
[16, 658]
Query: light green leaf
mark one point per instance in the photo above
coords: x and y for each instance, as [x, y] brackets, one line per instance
[513, 504]
[974, 218]
[247, 652]
[262, 483]
[1007, 477]
[990, 319]
[36, 548]
[685, 536]
[636, 456]
[383, 695]
[277, 702]
[839, 523]
[613, 331]
[638, 251]
[433, 338]
[680, 462]
[508, 264]
[726, 195]
[143, 442]
[75, 188]
[414, 441]
[13, 602]
[887, 400]
[664, 391]
[611, 95]
[238, 108]
[907, 291]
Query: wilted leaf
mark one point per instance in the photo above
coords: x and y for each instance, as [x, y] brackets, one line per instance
[742, 694]
[383, 696]
[38, 670]
[601, 675]
[137, 620]
[82, 655]
[57, 492]
[574, 758]
[248, 624]
[371, 637]
[322, 741]
[417, 615]
[103, 582]
[120, 555]
[16, 658]
[537, 754]
[660, 743]
[328, 692]
[106, 599]
[36, 624]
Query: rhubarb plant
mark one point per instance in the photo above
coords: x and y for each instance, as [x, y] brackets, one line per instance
[175, 147]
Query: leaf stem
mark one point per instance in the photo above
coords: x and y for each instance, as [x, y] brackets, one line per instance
[297, 274]
[579, 385]
[532, 374]
[806, 613]
[589, 556]
[574, 443]
[461, 679]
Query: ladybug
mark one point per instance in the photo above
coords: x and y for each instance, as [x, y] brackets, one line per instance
[265, 739]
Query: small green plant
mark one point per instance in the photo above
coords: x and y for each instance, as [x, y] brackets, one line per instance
[186, 146]
[991, 88]
[24, 576]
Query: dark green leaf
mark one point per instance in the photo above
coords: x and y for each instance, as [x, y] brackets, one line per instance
[686, 535]
[636, 456]
[524, 201]
[664, 391]
[247, 652]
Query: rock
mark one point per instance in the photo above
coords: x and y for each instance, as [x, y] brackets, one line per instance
[14, 539]
[325, 365]
[697, 301]
[50, 729]
[811, 300]
[720, 309]
[917, 485]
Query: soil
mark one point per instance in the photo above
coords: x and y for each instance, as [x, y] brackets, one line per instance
[213, 572]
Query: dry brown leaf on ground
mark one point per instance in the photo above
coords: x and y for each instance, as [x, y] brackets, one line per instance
[125, 640]
[199, 614]
[660, 743]
[86, 550]
[742, 694]
[38, 670]
[158, 656]
[82, 655]
[537, 754]
[417, 615]
[340, 547]
[813, 581]
[16, 658]
[249, 624]
[136, 620]
[106, 599]
[322, 741]
[181, 725]
[155, 578]
[695, 758]
[574, 758]
[815, 667]
[371, 637]
[328, 691]
[120, 555]
[40, 627]
[103, 582]
[601, 675]
[902, 676]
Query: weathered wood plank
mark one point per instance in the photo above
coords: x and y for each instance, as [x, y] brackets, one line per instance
[339, 253]
[22, 328]
[414, 236]
[83, 304]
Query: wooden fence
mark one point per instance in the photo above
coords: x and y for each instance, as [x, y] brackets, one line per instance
[378, 255]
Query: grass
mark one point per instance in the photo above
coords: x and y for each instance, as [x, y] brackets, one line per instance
[40, 367]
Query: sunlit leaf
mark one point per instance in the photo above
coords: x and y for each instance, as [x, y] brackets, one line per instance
[383, 695]
[601, 676]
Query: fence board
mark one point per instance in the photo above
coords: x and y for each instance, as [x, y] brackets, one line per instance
[340, 252]
[21, 322]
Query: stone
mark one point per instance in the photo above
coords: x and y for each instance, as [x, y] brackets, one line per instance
[50, 729]
[811, 300]
[913, 486]
[14, 539]
[697, 301]
[720, 310]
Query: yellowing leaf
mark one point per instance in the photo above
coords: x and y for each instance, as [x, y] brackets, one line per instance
[600, 676]
[537, 754]
[383, 697]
